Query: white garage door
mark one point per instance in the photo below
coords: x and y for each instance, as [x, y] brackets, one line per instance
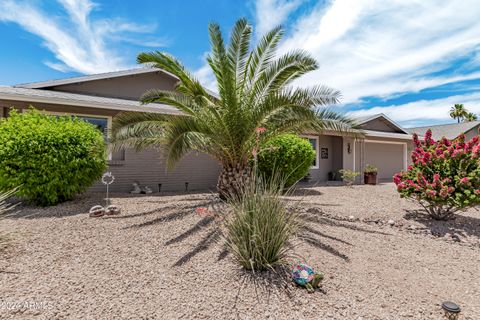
[388, 158]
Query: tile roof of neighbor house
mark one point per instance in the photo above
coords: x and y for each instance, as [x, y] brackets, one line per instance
[74, 99]
[92, 77]
[450, 131]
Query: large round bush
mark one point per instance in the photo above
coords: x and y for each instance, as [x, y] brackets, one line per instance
[287, 155]
[49, 158]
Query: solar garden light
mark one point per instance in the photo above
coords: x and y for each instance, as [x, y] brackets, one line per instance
[107, 179]
[452, 310]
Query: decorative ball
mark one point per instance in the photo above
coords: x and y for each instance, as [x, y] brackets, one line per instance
[302, 274]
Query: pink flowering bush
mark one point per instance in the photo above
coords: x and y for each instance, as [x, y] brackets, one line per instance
[444, 176]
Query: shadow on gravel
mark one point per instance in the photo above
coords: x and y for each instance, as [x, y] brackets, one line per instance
[66, 209]
[461, 225]
[211, 238]
[193, 230]
[266, 283]
[301, 192]
[314, 220]
[169, 217]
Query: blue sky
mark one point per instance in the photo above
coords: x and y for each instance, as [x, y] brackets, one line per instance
[409, 59]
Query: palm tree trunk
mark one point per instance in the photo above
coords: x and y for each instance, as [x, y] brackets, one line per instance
[232, 180]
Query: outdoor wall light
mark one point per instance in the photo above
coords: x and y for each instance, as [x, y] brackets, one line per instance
[159, 187]
[452, 310]
[349, 148]
[186, 186]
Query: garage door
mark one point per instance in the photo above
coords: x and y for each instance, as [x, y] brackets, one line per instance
[388, 158]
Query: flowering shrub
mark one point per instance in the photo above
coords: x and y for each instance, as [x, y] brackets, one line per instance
[444, 176]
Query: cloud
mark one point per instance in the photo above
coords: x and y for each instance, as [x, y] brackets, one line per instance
[371, 48]
[78, 42]
[429, 111]
[271, 13]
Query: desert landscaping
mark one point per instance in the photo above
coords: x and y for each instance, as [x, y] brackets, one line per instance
[162, 259]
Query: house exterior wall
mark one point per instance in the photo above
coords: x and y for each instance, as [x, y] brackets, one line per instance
[471, 133]
[149, 168]
[332, 162]
[378, 124]
[127, 87]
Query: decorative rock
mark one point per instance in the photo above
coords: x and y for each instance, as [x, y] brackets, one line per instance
[391, 222]
[456, 237]
[351, 217]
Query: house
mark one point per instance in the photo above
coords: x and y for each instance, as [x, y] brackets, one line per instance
[98, 98]
[449, 131]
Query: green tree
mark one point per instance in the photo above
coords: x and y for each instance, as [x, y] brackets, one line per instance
[253, 93]
[458, 112]
[470, 116]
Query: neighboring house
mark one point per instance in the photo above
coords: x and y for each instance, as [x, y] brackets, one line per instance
[98, 98]
[449, 131]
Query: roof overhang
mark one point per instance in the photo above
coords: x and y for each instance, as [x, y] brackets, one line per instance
[79, 100]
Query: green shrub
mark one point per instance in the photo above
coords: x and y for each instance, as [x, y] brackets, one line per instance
[370, 169]
[51, 158]
[260, 228]
[349, 176]
[287, 155]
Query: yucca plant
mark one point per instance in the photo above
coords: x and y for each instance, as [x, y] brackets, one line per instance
[260, 228]
[254, 92]
[4, 206]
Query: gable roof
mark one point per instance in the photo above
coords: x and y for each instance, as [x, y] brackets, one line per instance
[366, 119]
[93, 77]
[81, 100]
[449, 131]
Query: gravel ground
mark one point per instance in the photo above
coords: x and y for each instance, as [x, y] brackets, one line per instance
[160, 260]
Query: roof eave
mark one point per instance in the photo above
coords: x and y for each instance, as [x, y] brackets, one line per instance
[164, 109]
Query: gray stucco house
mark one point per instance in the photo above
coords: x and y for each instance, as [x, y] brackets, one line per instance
[98, 98]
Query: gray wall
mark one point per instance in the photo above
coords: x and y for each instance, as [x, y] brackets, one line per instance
[126, 87]
[149, 168]
[379, 124]
[334, 161]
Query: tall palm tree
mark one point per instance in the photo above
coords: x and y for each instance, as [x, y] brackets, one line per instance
[458, 112]
[254, 101]
[469, 117]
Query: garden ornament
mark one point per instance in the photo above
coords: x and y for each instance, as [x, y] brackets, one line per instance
[452, 310]
[109, 209]
[305, 276]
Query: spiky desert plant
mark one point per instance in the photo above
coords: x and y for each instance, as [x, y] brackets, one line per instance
[254, 91]
[260, 228]
[4, 206]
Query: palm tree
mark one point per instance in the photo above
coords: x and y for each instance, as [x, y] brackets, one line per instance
[469, 117]
[254, 101]
[458, 112]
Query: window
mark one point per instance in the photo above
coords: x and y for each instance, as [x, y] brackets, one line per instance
[100, 123]
[314, 142]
